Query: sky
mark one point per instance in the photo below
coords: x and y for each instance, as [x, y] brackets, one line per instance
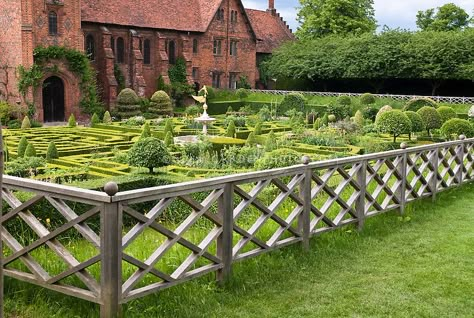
[393, 13]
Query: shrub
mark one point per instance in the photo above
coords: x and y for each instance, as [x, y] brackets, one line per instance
[95, 120]
[230, 132]
[446, 113]
[72, 121]
[160, 104]
[431, 118]
[107, 118]
[242, 93]
[52, 152]
[146, 131]
[30, 151]
[251, 141]
[394, 122]
[325, 119]
[278, 158]
[367, 99]
[344, 100]
[25, 124]
[128, 103]
[359, 119]
[193, 110]
[471, 112]
[382, 110]
[317, 124]
[240, 157]
[370, 112]
[417, 124]
[310, 118]
[455, 127]
[258, 128]
[149, 153]
[23, 167]
[416, 103]
[271, 142]
[239, 121]
[265, 114]
[292, 101]
[340, 111]
[332, 118]
[169, 127]
[22, 147]
[135, 121]
[169, 141]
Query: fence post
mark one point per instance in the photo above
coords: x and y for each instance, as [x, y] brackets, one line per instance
[1, 224]
[460, 154]
[360, 203]
[434, 179]
[225, 240]
[304, 220]
[402, 169]
[111, 256]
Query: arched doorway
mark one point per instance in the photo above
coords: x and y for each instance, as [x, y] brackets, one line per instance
[53, 99]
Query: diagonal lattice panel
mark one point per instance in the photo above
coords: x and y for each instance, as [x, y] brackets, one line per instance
[468, 162]
[449, 167]
[420, 173]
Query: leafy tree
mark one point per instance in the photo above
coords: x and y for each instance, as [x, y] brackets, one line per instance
[446, 113]
[393, 122]
[22, 147]
[150, 153]
[52, 152]
[431, 118]
[448, 17]
[320, 18]
[417, 124]
[455, 127]
[367, 99]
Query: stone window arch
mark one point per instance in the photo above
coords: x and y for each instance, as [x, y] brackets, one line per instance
[90, 47]
[120, 50]
[52, 23]
[146, 52]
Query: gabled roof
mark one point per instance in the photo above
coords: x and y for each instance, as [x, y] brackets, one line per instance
[270, 29]
[181, 15]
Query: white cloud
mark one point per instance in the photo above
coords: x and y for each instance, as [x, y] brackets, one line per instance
[394, 13]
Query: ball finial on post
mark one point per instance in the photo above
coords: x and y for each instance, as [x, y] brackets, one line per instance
[305, 160]
[111, 188]
[403, 145]
[462, 137]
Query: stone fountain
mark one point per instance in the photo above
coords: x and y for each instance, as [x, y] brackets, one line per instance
[204, 119]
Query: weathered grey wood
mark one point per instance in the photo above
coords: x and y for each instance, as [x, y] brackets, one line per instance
[402, 168]
[434, 178]
[111, 261]
[224, 242]
[360, 203]
[460, 163]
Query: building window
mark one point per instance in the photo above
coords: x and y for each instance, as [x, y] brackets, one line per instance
[53, 23]
[195, 73]
[233, 16]
[120, 50]
[233, 81]
[233, 48]
[90, 47]
[172, 52]
[220, 14]
[146, 52]
[217, 47]
[216, 80]
[140, 45]
[112, 44]
[195, 46]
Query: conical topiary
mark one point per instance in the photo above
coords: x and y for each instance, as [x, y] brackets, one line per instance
[72, 121]
[107, 118]
[146, 132]
[230, 132]
[25, 124]
[325, 119]
[251, 139]
[271, 143]
[169, 139]
[30, 151]
[258, 129]
[52, 152]
[22, 147]
[95, 120]
[169, 127]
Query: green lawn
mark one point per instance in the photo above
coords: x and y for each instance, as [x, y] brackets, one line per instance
[417, 266]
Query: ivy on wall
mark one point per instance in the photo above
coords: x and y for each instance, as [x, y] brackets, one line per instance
[77, 62]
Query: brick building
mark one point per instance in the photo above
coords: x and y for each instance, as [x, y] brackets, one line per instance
[220, 41]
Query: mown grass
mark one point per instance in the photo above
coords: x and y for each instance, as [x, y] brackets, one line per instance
[416, 266]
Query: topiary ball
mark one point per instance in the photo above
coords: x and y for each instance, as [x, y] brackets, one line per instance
[367, 99]
[455, 127]
[416, 104]
[149, 153]
[344, 100]
[446, 113]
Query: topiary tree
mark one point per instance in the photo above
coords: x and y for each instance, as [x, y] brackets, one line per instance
[370, 112]
[22, 147]
[107, 118]
[169, 127]
[149, 153]
[95, 120]
[230, 132]
[417, 124]
[72, 121]
[169, 141]
[367, 99]
[160, 104]
[340, 111]
[455, 127]
[393, 122]
[332, 118]
[251, 141]
[278, 158]
[242, 93]
[292, 101]
[431, 118]
[25, 124]
[128, 103]
[30, 151]
[382, 110]
[325, 119]
[359, 119]
[52, 152]
[317, 124]
[146, 131]
[271, 142]
[416, 104]
[258, 129]
[344, 100]
[446, 113]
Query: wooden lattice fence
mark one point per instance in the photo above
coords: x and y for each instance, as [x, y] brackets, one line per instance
[237, 217]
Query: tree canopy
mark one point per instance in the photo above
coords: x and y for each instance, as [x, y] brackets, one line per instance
[448, 17]
[320, 18]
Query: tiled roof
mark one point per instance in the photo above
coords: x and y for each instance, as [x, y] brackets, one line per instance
[270, 30]
[182, 15]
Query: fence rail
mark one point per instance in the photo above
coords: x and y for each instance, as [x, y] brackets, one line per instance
[439, 99]
[221, 220]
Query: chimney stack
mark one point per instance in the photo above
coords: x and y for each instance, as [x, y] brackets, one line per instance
[271, 7]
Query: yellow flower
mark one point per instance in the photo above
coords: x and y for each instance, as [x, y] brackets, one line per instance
[48, 221]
